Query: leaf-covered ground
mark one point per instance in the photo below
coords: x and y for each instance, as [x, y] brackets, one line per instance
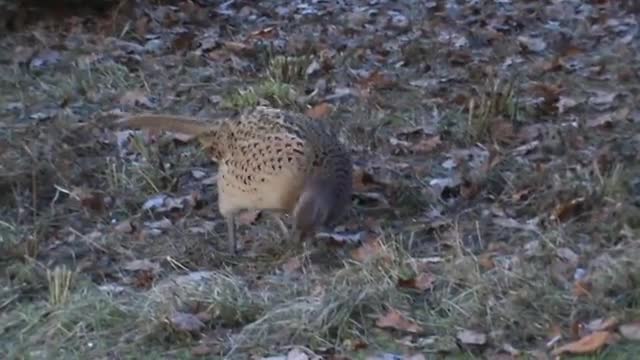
[497, 205]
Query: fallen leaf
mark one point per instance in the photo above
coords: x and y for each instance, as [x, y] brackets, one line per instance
[143, 279]
[205, 316]
[545, 65]
[342, 92]
[538, 355]
[424, 83]
[362, 180]
[201, 350]
[570, 49]
[399, 143]
[23, 55]
[459, 57]
[502, 356]
[608, 324]
[511, 350]
[588, 344]
[603, 98]
[522, 195]
[89, 199]
[184, 138]
[297, 354]
[609, 119]
[141, 265]
[136, 98]
[45, 58]
[532, 44]
[471, 337]
[14, 106]
[582, 288]
[376, 80]
[502, 131]
[469, 189]
[555, 335]
[416, 357]
[338, 239]
[601, 120]
[355, 344]
[356, 18]
[211, 180]
[198, 174]
[395, 320]
[423, 281]
[239, 48]
[424, 263]
[428, 145]
[266, 33]
[320, 111]
[417, 131]
[568, 255]
[562, 212]
[185, 322]
[162, 202]
[41, 116]
[292, 265]
[373, 200]
[203, 228]
[112, 289]
[630, 330]
[248, 217]
[141, 26]
[486, 261]
[124, 227]
[312, 68]
[550, 92]
[566, 103]
[370, 249]
[398, 21]
[162, 224]
[183, 41]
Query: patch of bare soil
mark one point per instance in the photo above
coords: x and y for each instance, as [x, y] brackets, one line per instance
[497, 204]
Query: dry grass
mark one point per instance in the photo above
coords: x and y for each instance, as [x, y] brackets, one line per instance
[66, 292]
[287, 69]
[273, 92]
[516, 301]
[496, 102]
[59, 281]
[319, 310]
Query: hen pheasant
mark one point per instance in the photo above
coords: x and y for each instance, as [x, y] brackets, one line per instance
[270, 159]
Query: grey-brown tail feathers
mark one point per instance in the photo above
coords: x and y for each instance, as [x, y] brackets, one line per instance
[179, 124]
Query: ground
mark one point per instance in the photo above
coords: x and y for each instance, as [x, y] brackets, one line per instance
[497, 204]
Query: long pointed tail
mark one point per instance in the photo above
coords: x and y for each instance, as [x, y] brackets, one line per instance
[179, 124]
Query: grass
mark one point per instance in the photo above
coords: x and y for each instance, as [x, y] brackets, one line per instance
[288, 69]
[315, 310]
[489, 116]
[148, 174]
[273, 92]
[278, 87]
[59, 286]
[9, 235]
[497, 102]
[88, 323]
[625, 351]
[503, 262]
[267, 314]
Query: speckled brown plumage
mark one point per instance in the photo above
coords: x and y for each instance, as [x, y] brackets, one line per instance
[272, 160]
